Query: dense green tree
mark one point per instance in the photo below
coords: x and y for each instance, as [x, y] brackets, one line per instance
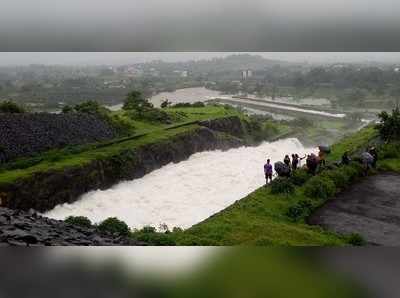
[67, 109]
[9, 106]
[136, 101]
[90, 107]
[389, 126]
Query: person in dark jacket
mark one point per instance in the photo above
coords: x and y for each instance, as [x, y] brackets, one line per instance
[374, 154]
[286, 161]
[345, 158]
[312, 163]
[295, 161]
[3, 158]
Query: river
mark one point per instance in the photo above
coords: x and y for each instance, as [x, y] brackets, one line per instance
[192, 95]
[185, 193]
[178, 96]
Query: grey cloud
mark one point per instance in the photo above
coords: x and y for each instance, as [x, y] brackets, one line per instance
[206, 25]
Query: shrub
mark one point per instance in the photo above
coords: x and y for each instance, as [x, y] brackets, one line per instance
[150, 114]
[356, 240]
[319, 187]
[136, 101]
[11, 107]
[114, 226]
[353, 170]
[389, 126]
[67, 109]
[79, 221]
[23, 163]
[121, 124]
[154, 115]
[301, 209]
[197, 104]
[152, 237]
[148, 229]
[338, 176]
[156, 239]
[282, 185]
[391, 150]
[91, 107]
[300, 177]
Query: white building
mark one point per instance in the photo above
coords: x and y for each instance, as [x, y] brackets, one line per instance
[248, 73]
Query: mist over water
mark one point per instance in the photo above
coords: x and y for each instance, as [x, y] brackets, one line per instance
[185, 193]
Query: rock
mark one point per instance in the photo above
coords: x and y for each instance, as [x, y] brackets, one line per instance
[25, 229]
[30, 133]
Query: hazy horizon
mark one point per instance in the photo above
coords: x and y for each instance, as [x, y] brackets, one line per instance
[115, 58]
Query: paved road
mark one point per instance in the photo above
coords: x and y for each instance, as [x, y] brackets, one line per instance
[370, 208]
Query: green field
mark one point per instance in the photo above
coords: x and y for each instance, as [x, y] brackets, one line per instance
[353, 143]
[258, 219]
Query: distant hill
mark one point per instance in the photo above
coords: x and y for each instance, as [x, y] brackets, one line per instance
[235, 62]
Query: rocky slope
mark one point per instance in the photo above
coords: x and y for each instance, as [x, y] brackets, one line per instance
[26, 134]
[21, 228]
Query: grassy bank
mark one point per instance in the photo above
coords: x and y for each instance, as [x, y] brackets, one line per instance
[277, 215]
[267, 218]
[185, 120]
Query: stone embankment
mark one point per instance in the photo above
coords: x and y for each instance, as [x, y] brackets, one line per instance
[27, 134]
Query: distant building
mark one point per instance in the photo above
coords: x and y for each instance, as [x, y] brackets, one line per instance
[248, 73]
[182, 73]
[133, 71]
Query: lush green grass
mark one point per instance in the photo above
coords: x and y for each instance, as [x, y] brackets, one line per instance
[389, 157]
[203, 113]
[82, 158]
[353, 143]
[178, 115]
[258, 219]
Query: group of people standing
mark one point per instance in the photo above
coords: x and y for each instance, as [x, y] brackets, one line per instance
[368, 158]
[286, 168]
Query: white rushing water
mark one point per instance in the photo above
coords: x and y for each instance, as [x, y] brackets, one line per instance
[185, 193]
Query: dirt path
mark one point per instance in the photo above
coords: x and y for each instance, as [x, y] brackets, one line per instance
[370, 208]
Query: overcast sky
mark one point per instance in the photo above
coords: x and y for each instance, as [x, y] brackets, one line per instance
[199, 25]
[91, 58]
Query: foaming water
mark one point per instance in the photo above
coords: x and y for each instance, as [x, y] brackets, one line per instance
[185, 193]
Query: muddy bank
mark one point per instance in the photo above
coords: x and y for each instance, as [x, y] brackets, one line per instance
[370, 207]
[19, 228]
[43, 191]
